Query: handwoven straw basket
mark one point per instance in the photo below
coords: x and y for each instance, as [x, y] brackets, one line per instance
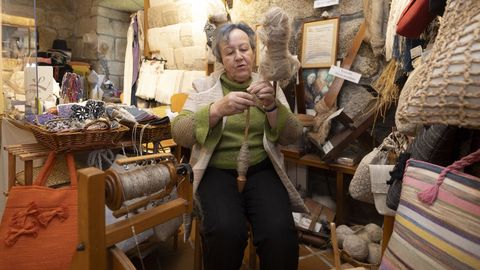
[448, 89]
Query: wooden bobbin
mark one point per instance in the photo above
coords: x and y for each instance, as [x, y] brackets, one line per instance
[114, 196]
[113, 190]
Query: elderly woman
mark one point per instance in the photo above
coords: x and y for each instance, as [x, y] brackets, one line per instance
[212, 123]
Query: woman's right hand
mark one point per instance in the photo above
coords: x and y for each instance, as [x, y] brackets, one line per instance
[232, 103]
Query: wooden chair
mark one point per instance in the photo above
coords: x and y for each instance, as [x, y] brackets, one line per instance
[177, 101]
[96, 242]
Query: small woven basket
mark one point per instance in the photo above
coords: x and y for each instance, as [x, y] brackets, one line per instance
[78, 140]
[356, 263]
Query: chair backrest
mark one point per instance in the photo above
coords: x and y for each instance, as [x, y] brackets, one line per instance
[177, 100]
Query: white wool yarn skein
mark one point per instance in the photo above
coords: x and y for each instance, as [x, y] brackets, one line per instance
[356, 247]
[278, 64]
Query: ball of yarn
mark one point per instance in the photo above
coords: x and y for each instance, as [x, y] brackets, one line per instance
[355, 247]
[374, 253]
[364, 235]
[342, 231]
[375, 233]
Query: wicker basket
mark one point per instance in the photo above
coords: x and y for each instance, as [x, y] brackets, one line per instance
[346, 257]
[148, 133]
[78, 140]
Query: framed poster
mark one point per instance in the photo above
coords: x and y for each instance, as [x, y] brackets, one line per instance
[316, 83]
[319, 43]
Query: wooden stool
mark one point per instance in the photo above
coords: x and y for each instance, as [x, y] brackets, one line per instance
[27, 153]
[198, 254]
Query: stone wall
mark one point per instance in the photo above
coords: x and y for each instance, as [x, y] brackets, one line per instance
[109, 27]
[71, 20]
[54, 19]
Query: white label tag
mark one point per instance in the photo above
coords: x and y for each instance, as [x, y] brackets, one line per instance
[327, 147]
[416, 52]
[305, 223]
[345, 74]
[335, 114]
[325, 3]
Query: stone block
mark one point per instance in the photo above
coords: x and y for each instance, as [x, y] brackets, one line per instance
[349, 7]
[60, 20]
[120, 48]
[85, 25]
[42, 18]
[59, 5]
[106, 44]
[46, 36]
[116, 68]
[65, 33]
[104, 25]
[19, 10]
[120, 29]
[110, 13]
[84, 9]
[348, 31]
[366, 63]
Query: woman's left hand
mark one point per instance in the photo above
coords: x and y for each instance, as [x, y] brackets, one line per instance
[264, 91]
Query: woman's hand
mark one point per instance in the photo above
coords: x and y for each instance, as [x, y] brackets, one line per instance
[264, 91]
[232, 103]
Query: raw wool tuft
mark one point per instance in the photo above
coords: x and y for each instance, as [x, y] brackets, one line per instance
[278, 64]
[356, 247]
[321, 127]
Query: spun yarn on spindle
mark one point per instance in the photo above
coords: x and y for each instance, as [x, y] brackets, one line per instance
[278, 64]
[144, 181]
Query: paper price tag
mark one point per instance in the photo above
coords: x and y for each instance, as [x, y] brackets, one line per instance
[325, 3]
[416, 52]
[345, 74]
[327, 147]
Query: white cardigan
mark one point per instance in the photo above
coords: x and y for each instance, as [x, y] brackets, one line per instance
[208, 90]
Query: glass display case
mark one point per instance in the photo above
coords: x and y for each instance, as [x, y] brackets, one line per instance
[18, 46]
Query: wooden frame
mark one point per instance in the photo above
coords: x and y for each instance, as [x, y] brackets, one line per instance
[95, 249]
[319, 43]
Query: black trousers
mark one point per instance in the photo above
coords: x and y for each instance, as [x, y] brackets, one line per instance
[264, 203]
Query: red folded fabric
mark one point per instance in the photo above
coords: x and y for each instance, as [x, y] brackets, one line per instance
[414, 19]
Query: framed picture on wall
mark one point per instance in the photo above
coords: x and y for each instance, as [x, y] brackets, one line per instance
[319, 43]
[316, 82]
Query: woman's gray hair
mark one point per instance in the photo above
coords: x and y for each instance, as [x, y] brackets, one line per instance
[222, 34]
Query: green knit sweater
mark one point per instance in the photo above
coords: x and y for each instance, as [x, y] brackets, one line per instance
[228, 143]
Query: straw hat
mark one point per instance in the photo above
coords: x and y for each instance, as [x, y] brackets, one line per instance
[448, 88]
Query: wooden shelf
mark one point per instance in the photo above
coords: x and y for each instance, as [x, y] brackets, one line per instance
[311, 160]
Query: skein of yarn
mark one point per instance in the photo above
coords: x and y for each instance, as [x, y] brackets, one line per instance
[128, 185]
[278, 64]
